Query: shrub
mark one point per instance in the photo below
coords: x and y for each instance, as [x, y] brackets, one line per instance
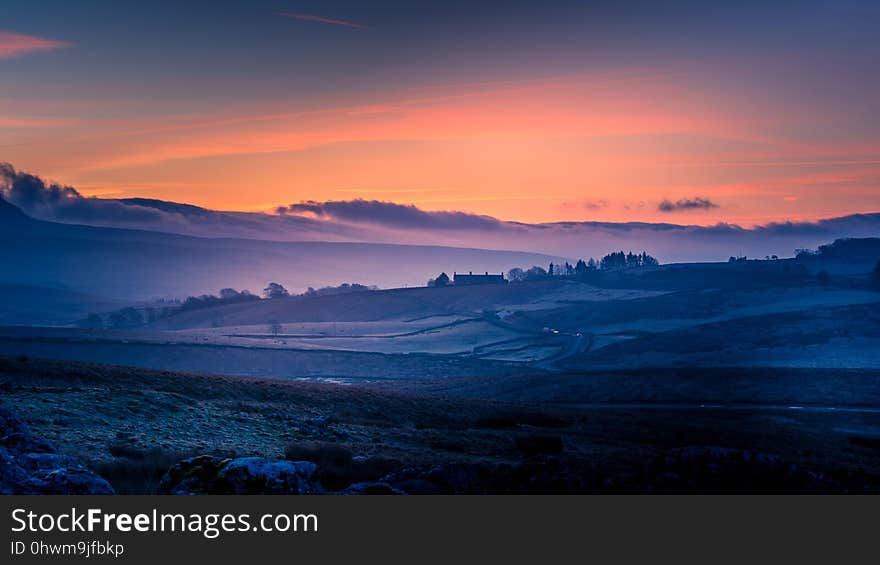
[337, 467]
[136, 470]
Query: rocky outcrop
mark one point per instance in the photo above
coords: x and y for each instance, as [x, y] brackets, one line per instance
[371, 488]
[207, 474]
[685, 469]
[29, 465]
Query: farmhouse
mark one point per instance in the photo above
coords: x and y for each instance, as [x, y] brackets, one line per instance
[472, 279]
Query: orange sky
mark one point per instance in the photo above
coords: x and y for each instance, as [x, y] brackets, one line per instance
[591, 142]
[569, 148]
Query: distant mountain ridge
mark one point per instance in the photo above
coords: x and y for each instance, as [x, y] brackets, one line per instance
[139, 264]
[9, 213]
[360, 220]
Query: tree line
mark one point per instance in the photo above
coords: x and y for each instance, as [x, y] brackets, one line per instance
[615, 261]
[133, 317]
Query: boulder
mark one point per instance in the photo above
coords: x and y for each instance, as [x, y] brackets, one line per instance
[29, 465]
[371, 488]
[206, 474]
[258, 475]
[196, 475]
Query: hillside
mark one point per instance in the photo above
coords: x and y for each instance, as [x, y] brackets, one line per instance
[40, 305]
[398, 304]
[140, 265]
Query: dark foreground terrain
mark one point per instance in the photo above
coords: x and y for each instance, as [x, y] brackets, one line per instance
[130, 426]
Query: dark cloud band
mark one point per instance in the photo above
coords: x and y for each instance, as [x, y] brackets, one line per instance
[696, 203]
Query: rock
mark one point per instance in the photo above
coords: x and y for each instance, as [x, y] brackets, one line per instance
[371, 488]
[29, 465]
[411, 480]
[258, 475]
[15, 436]
[206, 474]
[74, 479]
[196, 475]
[12, 476]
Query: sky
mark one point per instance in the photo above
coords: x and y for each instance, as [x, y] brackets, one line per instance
[682, 112]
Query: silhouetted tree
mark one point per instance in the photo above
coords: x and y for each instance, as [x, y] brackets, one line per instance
[613, 261]
[442, 280]
[620, 260]
[344, 288]
[275, 290]
[228, 294]
[516, 275]
[535, 274]
[275, 327]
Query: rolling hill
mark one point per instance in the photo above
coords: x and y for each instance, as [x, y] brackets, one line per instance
[137, 265]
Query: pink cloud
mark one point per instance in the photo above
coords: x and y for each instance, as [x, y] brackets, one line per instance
[321, 19]
[16, 44]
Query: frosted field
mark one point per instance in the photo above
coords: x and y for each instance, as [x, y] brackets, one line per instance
[571, 293]
[437, 335]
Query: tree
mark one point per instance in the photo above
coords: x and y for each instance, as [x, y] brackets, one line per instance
[516, 275]
[620, 260]
[550, 270]
[535, 274]
[613, 261]
[275, 327]
[275, 290]
[442, 280]
[228, 293]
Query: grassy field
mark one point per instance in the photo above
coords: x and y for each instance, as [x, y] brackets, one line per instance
[131, 424]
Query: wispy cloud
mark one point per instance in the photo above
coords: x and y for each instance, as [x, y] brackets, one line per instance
[697, 203]
[595, 204]
[322, 19]
[7, 121]
[17, 44]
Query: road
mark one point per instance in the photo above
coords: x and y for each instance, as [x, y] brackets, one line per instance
[577, 343]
